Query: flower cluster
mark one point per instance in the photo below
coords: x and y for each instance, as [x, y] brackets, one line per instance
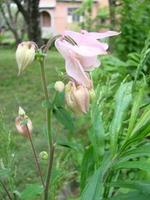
[81, 51]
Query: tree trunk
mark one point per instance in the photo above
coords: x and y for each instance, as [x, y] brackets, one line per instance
[33, 28]
[112, 13]
[11, 25]
[30, 12]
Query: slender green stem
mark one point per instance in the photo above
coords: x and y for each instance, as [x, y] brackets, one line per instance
[50, 139]
[35, 157]
[50, 165]
[42, 64]
[7, 192]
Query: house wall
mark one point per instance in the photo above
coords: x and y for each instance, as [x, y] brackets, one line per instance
[58, 11]
[61, 14]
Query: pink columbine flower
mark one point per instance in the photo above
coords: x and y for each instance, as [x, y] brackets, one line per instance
[82, 57]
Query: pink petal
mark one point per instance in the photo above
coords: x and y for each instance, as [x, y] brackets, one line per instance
[63, 47]
[102, 35]
[87, 56]
[73, 67]
[75, 70]
[89, 63]
[85, 40]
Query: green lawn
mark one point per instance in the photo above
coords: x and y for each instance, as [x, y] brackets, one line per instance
[25, 90]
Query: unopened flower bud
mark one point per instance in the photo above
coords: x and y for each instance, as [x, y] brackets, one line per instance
[23, 124]
[21, 111]
[59, 86]
[77, 97]
[43, 155]
[25, 55]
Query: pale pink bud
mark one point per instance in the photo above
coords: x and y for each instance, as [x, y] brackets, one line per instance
[25, 55]
[77, 97]
[23, 123]
[59, 86]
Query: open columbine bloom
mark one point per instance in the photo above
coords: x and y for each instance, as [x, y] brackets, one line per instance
[82, 55]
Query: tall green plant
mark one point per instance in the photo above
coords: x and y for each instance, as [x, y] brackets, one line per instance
[134, 26]
[126, 144]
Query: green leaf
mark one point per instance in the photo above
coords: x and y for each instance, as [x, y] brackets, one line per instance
[96, 133]
[122, 100]
[131, 196]
[142, 123]
[68, 144]
[94, 188]
[64, 117]
[32, 191]
[141, 164]
[60, 99]
[142, 186]
[135, 108]
[87, 166]
[141, 129]
[136, 152]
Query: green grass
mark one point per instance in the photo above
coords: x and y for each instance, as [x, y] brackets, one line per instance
[25, 90]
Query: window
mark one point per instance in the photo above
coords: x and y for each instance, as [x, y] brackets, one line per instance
[73, 16]
[45, 19]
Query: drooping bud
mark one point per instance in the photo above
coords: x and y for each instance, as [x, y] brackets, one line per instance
[43, 155]
[77, 97]
[59, 86]
[23, 123]
[25, 55]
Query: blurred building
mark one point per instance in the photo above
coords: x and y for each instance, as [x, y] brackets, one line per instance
[58, 15]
